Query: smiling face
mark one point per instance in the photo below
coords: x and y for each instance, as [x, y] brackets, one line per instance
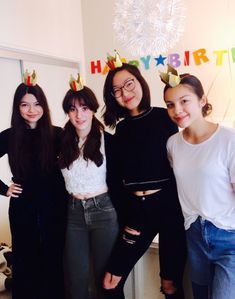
[30, 110]
[81, 118]
[183, 105]
[127, 91]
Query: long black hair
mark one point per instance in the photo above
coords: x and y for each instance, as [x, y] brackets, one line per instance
[19, 145]
[69, 148]
[113, 111]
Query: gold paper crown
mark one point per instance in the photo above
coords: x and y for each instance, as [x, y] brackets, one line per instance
[114, 61]
[171, 77]
[30, 79]
[76, 85]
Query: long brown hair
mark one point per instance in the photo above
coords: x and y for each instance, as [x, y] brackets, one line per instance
[69, 148]
[18, 146]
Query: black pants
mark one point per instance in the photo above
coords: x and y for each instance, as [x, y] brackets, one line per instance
[37, 227]
[152, 214]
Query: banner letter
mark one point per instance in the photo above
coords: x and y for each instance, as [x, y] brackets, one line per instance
[95, 66]
[200, 55]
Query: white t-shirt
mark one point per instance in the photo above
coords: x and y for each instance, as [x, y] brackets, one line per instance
[204, 173]
[84, 177]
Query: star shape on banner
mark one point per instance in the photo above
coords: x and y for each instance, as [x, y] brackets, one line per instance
[160, 59]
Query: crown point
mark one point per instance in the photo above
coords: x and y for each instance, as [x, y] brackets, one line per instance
[30, 79]
[113, 61]
[76, 85]
[171, 77]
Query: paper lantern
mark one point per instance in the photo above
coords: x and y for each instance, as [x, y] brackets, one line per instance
[146, 27]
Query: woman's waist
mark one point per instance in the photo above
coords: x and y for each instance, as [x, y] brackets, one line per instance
[88, 195]
[146, 185]
[145, 192]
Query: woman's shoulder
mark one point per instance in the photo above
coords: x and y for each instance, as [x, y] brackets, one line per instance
[108, 143]
[5, 133]
[161, 115]
[121, 126]
[107, 134]
[4, 141]
[108, 137]
[227, 130]
[57, 129]
[226, 133]
[174, 139]
[160, 111]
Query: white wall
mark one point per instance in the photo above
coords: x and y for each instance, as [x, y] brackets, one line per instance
[52, 27]
[8, 78]
[209, 24]
[47, 27]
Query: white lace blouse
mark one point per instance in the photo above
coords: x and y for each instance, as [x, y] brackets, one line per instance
[84, 177]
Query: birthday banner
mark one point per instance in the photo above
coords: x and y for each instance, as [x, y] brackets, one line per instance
[197, 57]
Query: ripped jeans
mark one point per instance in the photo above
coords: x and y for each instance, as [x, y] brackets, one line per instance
[158, 213]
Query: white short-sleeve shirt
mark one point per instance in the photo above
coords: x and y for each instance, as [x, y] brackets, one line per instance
[204, 174]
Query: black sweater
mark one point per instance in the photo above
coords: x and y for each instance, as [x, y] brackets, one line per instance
[35, 180]
[140, 146]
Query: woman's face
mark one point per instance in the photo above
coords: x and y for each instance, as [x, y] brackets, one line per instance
[81, 118]
[30, 110]
[183, 105]
[127, 91]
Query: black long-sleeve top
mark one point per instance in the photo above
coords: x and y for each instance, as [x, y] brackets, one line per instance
[141, 164]
[35, 180]
[141, 154]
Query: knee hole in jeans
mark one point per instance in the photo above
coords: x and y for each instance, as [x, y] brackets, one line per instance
[168, 287]
[130, 235]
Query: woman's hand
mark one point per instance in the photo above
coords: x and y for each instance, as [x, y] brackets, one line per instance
[14, 190]
[110, 281]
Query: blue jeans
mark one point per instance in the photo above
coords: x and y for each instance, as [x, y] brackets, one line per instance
[212, 260]
[92, 229]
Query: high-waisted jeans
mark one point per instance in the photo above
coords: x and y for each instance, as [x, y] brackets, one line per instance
[92, 229]
[212, 260]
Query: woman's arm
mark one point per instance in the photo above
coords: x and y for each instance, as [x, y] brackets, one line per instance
[3, 188]
[4, 137]
[14, 189]
[114, 177]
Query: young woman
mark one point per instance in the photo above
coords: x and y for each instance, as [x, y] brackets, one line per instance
[144, 183]
[92, 225]
[203, 160]
[38, 196]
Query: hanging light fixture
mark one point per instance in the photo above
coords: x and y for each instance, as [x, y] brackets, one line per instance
[148, 26]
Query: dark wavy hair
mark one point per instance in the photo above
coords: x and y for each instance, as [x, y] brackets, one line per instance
[69, 148]
[112, 110]
[19, 144]
[195, 84]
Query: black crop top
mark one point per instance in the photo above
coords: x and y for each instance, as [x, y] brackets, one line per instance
[140, 147]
